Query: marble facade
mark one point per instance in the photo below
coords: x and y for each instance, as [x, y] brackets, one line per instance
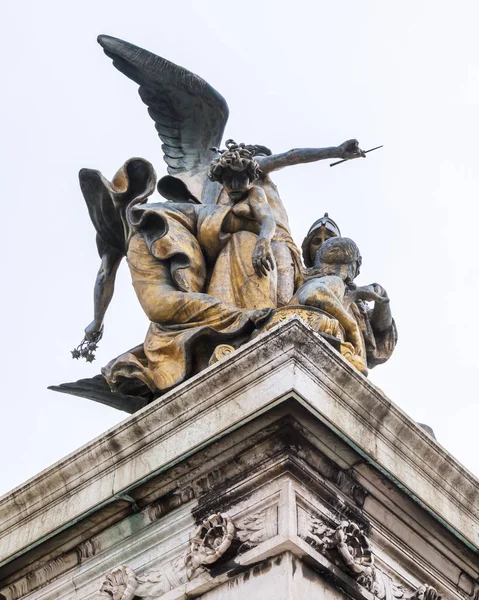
[278, 472]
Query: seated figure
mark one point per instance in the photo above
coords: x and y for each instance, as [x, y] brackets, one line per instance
[370, 333]
[237, 170]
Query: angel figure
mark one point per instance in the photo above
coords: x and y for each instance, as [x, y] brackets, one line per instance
[205, 266]
[190, 118]
[169, 275]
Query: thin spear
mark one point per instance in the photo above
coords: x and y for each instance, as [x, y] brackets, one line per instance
[338, 162]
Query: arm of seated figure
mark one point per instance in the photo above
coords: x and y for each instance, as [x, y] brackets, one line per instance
[347, 150]
[381, 319]
[103, 291]
[381, 316]
[327, 293]
[263, 260]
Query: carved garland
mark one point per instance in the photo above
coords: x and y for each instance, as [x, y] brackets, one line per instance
[347, 545]
[210, 542]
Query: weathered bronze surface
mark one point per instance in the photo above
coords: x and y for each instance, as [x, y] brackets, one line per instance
[216, 263]
[368, 334]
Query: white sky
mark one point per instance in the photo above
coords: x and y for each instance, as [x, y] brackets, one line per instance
[304, 73]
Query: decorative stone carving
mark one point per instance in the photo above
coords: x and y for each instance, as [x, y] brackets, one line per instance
[157, 583]
[353, 546]
[85, 550]
[381, 585]
[347, 545]
[119, 584]
[39, 578]
[124, 584]
[315, 531]
[348, 540]
[254, 529]
[211, 540]
[425, 592]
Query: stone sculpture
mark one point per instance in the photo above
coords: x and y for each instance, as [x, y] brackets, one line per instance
[218, 538]
[210, 542]
[212, 264]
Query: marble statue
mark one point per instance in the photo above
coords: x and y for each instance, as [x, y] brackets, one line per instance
[215, 262]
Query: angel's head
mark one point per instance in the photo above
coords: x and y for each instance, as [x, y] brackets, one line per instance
[235, 168]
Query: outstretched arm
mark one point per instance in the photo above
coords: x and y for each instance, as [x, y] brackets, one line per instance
[103, 291]
[347, 150]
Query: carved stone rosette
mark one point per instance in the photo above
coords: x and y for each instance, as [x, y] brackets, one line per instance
[347, 542]
[354, 548]
[346, 545]
[350, 545]
[210, 541]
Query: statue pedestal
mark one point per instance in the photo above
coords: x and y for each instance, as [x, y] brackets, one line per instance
[278, 472]
[327, 326]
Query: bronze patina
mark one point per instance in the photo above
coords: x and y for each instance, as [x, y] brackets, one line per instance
[215, 264]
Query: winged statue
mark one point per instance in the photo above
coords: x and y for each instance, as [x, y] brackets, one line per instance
[212, 263]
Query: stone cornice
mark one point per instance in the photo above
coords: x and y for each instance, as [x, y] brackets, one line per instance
[288, 361]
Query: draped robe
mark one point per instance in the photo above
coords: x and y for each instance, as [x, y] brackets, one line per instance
[196, 283]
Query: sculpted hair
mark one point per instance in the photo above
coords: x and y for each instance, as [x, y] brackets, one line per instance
[236, 158]
[338, 251]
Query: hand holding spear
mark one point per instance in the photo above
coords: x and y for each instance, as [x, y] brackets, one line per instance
[352, 150]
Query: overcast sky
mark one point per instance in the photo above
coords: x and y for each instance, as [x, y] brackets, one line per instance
[304, 73]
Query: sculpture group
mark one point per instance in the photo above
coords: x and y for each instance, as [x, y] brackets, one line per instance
[215, 264]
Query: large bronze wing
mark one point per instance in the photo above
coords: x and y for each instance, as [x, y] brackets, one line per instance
[190, 116]
[104, 215]
[108, 201]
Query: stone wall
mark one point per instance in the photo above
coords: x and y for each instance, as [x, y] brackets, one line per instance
[279, 472]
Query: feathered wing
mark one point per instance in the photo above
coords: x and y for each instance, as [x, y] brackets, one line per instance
[190, 116]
